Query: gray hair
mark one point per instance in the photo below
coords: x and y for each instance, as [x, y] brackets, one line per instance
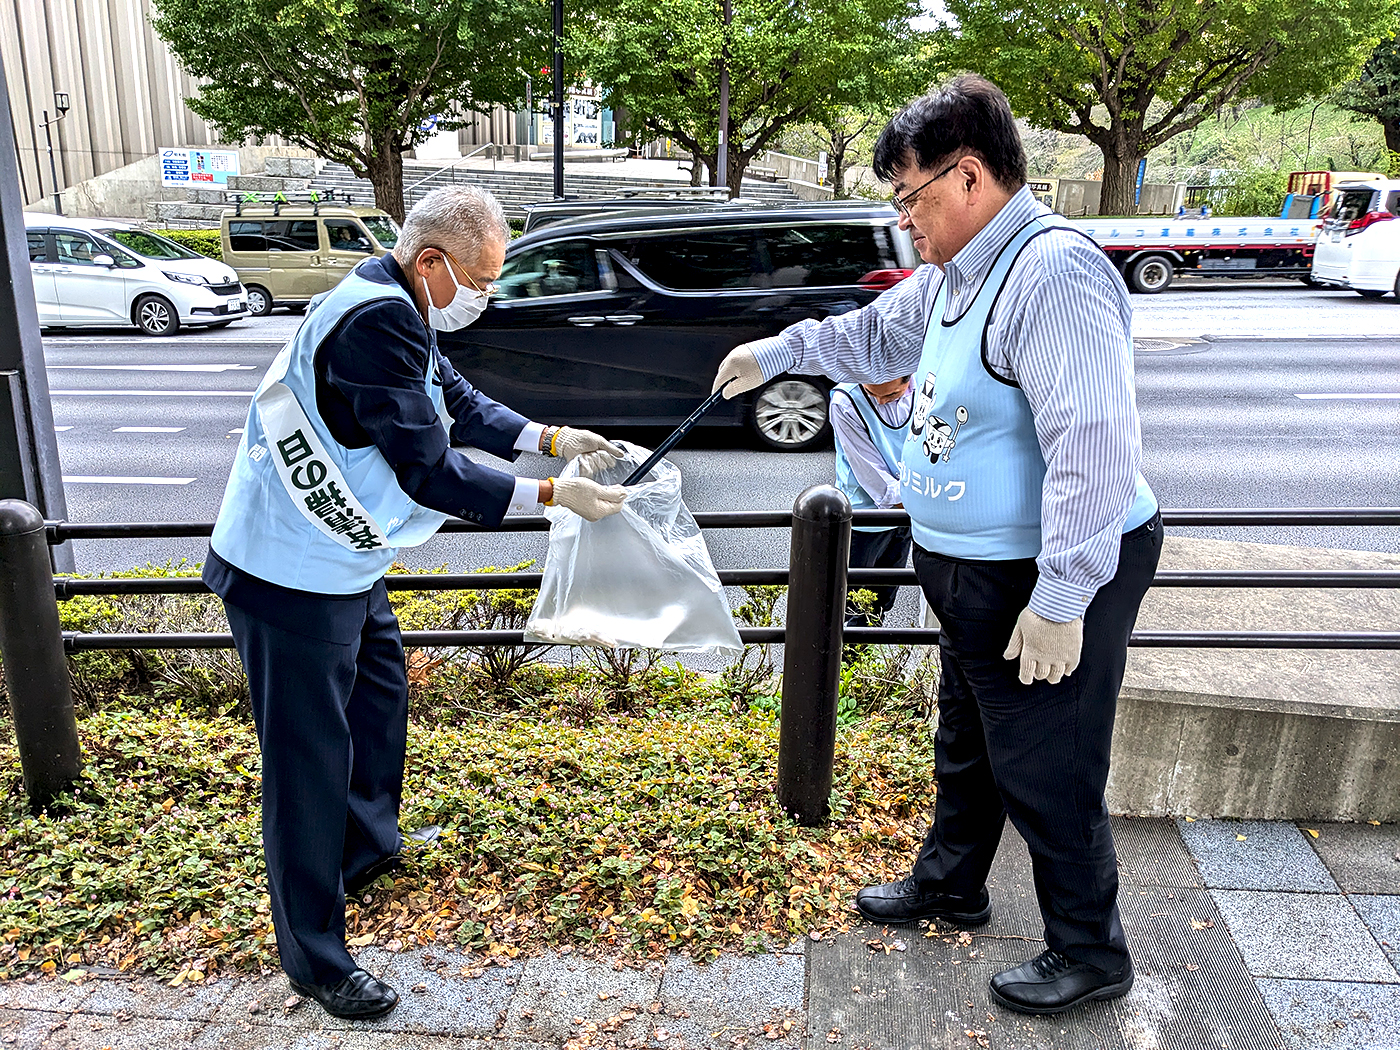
[459, 219]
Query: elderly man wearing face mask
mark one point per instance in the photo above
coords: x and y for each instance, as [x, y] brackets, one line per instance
[346, 456]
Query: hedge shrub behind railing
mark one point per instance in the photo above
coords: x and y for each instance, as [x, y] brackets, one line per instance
[206, 242]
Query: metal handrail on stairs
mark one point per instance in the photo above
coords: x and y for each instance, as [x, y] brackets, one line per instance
[446, 167]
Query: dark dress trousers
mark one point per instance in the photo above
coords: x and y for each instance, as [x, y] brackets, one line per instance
[1036, 753]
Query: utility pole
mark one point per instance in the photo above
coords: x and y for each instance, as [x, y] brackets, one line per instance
[722, 155]
[60, 104]
[29, 467]
[558, 99]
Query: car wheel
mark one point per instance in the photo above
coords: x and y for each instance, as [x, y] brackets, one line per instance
[1150, 274]
[1397, 287]
[1369, 293]
[790, 414]
[259, 300]
[155, 316]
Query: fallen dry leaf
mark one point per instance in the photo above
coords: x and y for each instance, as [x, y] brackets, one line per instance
[1202, 924]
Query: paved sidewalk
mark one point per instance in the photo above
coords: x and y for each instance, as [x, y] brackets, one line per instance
[1245, 935]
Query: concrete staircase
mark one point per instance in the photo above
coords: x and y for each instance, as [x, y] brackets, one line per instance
[516, 185]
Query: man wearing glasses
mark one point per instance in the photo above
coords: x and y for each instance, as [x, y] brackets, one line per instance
[345, 457]
[1035, 534]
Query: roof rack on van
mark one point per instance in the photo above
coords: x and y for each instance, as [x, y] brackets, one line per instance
[243, 198]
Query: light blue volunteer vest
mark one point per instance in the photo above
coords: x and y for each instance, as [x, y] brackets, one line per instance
[888, 440]
[301, 510]
[971, 469]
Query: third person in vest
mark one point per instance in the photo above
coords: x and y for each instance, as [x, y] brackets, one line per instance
[1035, 535]
[868, 423]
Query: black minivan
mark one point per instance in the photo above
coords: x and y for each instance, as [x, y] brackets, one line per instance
[624, 317]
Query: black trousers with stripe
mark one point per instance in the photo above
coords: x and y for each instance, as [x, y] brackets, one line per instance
[330, 701]
[1037, 754]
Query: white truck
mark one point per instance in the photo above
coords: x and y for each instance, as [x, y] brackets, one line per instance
[1151, 249]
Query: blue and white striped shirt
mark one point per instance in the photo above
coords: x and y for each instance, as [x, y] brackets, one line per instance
[1062, 331]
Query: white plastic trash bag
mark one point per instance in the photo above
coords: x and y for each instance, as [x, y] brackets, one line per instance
[641, 578]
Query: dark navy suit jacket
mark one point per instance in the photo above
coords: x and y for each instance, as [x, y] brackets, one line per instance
[370, 376]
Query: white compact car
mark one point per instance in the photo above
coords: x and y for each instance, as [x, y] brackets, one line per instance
[1359, 246]
[96, 272]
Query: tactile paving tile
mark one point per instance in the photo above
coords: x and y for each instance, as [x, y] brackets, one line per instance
[1151, 853]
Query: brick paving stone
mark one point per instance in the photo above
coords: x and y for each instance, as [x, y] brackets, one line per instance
[1303, 935]
[1335, 1015]
[1382, 917]
[1255, 855]
[1362, 857]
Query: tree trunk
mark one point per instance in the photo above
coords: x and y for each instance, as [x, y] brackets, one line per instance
[735, 166]
[702, 165]
[386, 173]
[1120, 162]
[837, 163]
[1392, 136]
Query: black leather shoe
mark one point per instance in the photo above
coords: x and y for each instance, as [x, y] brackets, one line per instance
[360, 995]
[904, 901]
[1050, 983]
[416, 839]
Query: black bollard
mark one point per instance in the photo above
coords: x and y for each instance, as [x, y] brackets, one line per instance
[816, 609]
[31, 647]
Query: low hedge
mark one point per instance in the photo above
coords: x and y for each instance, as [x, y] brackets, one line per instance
[205, 242]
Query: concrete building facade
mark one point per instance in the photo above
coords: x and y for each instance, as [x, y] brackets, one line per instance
[127, 92]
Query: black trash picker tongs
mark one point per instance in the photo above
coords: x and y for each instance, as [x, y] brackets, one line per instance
[674, 438]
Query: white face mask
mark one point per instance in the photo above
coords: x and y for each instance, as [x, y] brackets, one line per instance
[465, 307]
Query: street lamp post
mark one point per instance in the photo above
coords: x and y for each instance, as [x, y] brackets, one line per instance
[60, 104]
[559, 99]
[722, 159]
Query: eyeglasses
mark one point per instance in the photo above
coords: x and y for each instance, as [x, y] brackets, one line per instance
[491, 286]
[901, 204]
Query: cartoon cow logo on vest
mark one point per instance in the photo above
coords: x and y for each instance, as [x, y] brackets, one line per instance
[939, 437]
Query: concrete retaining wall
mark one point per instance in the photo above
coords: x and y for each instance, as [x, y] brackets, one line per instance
[127, 192]
[1256, 733]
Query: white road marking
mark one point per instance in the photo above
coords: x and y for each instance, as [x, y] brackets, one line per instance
[158, 368]
[236, 430]
[1349, 397]
[148, 430]
[152, 393]
[59, 429]
[101, 479]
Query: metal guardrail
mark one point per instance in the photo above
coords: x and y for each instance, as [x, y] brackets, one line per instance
[33, 649]
[451, 165]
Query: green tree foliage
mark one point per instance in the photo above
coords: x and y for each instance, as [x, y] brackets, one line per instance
[1376, 92]
[1131, 76]
[354, 80]
[789, 62]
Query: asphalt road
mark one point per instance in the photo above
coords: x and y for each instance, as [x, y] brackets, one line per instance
[147, 428]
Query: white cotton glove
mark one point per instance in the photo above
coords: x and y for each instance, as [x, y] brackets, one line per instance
[570, 442]
[586, 498]
[741, 366]
[1047, 649]
[590, 464]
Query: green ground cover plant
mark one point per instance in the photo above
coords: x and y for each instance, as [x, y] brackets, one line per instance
[620, 804]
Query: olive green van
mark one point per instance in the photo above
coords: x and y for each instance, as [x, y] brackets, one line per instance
[285, 254]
